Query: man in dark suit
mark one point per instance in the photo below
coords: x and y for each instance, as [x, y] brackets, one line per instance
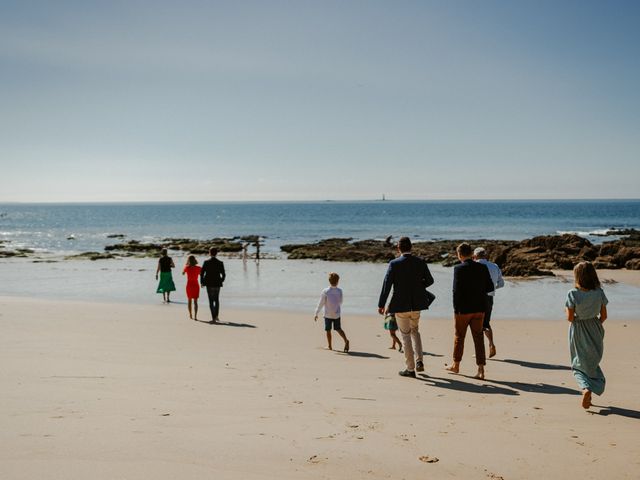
[212, 276]
[471, 284]
[408, 276]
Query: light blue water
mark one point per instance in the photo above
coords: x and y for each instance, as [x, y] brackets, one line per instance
[292, 285]
[47, 227]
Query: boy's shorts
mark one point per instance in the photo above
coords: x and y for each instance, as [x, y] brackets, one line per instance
[329, 321]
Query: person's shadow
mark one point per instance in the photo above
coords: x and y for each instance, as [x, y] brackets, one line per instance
[541, 366]
[227, 324]
[429, 354]
[351, 353]
[623, 412]
[536, 387]
[451, 383]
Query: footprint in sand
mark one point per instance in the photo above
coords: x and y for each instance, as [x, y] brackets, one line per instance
[428, 459]
[315, 459]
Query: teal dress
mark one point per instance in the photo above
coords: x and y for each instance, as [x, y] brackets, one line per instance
[586, 338]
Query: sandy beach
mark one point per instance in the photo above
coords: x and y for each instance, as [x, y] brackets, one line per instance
[109, 391]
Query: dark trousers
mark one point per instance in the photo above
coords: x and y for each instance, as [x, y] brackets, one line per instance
[214, 301]
[474, 321]
[487, 313]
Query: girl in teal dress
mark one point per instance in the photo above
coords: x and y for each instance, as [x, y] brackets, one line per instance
[586, 311]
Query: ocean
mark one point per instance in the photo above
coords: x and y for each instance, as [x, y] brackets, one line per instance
[276, 283]
[77, 227]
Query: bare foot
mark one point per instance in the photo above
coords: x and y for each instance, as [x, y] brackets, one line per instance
[392, 348]
[346, 347]
[480, 374]
[586, 398]
[492, 351]
[454, 368]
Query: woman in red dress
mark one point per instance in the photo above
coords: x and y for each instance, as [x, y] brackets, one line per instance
[192, 270]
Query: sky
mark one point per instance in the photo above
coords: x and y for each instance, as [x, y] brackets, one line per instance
[118, 101]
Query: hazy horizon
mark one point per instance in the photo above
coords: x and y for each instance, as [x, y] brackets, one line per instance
[331, 200]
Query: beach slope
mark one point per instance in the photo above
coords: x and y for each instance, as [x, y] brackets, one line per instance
[107, 391]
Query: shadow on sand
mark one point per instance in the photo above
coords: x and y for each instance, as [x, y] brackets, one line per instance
[451, 383]
[541, 366]
[537, 387]
[227, 324]
[623, 412]
[351, 353]
[429, 354]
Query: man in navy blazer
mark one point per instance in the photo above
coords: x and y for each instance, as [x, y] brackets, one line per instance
[408, 276]
[471, 284]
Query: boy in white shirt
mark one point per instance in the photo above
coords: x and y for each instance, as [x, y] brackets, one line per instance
[331, 299]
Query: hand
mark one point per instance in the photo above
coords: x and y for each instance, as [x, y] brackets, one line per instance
[315, 319]
[381, 310]
[156, 276]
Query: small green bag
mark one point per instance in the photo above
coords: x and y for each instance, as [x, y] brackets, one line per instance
[390, 322]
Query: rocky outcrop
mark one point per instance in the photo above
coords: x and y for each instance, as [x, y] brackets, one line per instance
[93, 256]
[18, 252]
[532, 257]
[224, 245]
[342, 250]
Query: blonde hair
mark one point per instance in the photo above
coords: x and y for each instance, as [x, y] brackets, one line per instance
[334, 278]
[585, 276]
[191, 260]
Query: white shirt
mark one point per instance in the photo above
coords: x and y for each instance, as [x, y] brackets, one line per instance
[330, 299]
[496, 274]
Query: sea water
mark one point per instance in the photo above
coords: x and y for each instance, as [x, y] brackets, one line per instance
[77, 227]
[277, 283]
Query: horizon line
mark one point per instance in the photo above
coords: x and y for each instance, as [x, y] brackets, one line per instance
[328, 200]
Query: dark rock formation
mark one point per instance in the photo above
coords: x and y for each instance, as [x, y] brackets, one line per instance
[90, 256]
[619, 231]
[18, 252]
[532, 257]
[183, 244]
[342, 250]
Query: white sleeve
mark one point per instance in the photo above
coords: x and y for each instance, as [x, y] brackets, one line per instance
[500, 281]
[321, 303]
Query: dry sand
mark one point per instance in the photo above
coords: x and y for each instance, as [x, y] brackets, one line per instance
[105, 391]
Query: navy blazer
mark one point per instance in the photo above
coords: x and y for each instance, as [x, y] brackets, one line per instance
[409, 276]
[212, 273]
[471, 283]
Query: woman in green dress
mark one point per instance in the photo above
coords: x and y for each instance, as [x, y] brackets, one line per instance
[586, 311]
[165, 285]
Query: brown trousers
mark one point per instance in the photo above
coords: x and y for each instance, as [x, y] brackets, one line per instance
[474, 321]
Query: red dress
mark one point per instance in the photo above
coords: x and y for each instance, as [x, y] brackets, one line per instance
[193, 275]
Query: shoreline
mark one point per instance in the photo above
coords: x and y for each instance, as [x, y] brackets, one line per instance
[294, 286]
[118, 390]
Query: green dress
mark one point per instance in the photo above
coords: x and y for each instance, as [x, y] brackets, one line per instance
[165, 284]
[586, 338]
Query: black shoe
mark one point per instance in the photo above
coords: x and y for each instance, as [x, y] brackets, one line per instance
[407, 373]
[419, 366]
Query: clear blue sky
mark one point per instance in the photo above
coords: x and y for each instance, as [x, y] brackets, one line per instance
[269, 100]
